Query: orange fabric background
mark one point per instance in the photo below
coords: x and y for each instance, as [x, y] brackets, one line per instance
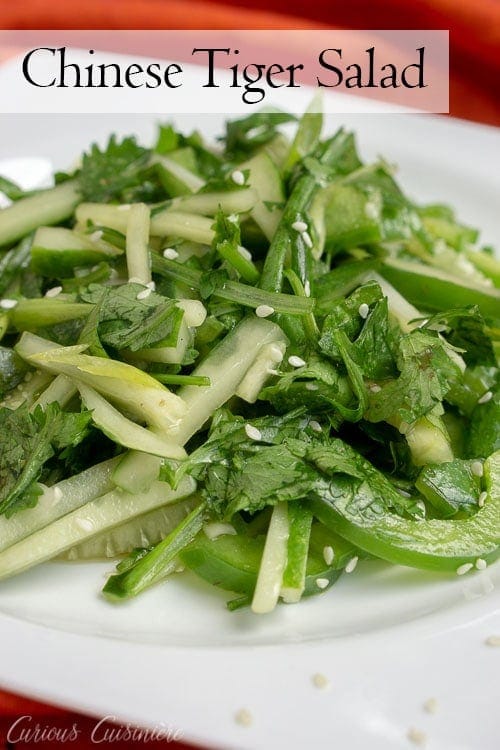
[474, 75]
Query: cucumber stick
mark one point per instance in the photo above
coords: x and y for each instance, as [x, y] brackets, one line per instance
[141, 532]
[274, 558]
[98, 515]
[47, 207]
[294, 575]
[136, 471]
[58, 500]
[137, 238]
[56, 251]
[265, 179]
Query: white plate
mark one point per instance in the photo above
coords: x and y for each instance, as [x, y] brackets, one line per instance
[387, 638]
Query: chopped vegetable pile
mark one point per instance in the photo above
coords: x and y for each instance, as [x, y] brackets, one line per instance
[261, 362]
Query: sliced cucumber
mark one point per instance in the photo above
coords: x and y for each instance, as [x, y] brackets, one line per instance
[168, 354]
[57, 501]
[31, 314]
[123, 431]
[175, 175]
[266, 180]
[136, 471]
[143, 531]
[60, 391]
[96, 516]
[273, 562]
[226, 366]
[47, 207]
[207, 204]
[137, 249]
[56, 251]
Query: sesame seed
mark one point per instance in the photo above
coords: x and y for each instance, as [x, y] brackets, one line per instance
[315, 426]
[417, 736]
[264, 311]
[482, 499]
[481, 564]
[307, 289]
[8, 304]
[151, 285]
[431, 705]
[28, 377]
[463, 569]
[351, 564]
[84, 524]
[371, 210]
[363, 311]
[213, 530]
[96, 236]
[307, 239]
[299, 226]
[144, 294]
[493, 640]
[420, 505]
[252, 432]
[57, 493]
[312, 386]
[477, 468]
[404, 493]
[238, 177]
[243, 717]
[485, 398]
[322, 583]
[320, 681]
[328, 555]
[244, 253]
[295, 361]
[375, 388]
[170, 253]
[54, 291]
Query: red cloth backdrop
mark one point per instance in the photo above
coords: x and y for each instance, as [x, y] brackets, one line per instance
[474, 75]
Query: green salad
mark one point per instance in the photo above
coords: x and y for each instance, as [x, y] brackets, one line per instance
[256, 360]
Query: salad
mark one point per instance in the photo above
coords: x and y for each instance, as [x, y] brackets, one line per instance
[257, 360]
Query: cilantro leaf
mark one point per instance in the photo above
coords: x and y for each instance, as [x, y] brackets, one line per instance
[125, 322]
[465, 328]
[27, 442]
[248, 133]
[117, 172]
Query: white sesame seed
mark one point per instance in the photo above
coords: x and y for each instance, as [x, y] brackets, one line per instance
[96, 236]
[238, 177]
[85, 524]
[371, 210]
[312, 386]
[351, 564]
[320, 681]
[485, 398]
[8, 304]
[252, 432]
[477, 468]
[328, 555]
[243, 717]
[417, 736]
[481, 564]
[264, 311]
[299, 226]
[482, 499]
[54, 291]
[295, 361]
[375, 388]
[28, 377]
[431, 705]
[215, 529]
[307, 289]
[151, 285]
[420, 505]
[322, 583]
[170, 253]
[57, 493]
[463, 569]
[315, 426]
[404, 493]
[307, 239]
[123, 208]
[144, 294]
[493, 640]
[363, 311]
[244, 253]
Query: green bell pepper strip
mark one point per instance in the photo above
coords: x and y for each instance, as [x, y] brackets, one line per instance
[435, 544]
